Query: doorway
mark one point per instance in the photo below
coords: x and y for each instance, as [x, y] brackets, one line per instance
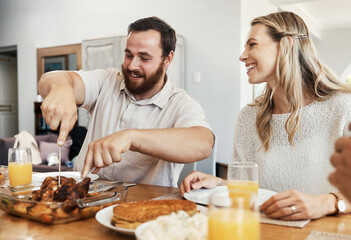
[8, 92]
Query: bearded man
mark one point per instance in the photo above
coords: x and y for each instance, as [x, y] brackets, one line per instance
[142, 128]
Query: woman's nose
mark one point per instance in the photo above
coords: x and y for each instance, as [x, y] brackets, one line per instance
[243, 56]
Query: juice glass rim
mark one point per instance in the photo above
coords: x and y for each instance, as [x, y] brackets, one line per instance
[19, 150]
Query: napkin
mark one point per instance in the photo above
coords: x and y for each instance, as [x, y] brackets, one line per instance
[297, 224]
[316, 235]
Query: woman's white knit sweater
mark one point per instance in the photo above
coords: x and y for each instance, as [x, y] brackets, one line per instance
[304, 167]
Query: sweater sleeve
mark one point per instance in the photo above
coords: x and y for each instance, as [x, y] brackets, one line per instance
[342, 107]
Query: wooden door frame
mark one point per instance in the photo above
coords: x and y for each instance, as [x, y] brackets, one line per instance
[58, 51]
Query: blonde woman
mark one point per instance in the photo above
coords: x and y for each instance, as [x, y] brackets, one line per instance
[289, 130]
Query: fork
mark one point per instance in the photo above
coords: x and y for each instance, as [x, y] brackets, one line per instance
[92, 170]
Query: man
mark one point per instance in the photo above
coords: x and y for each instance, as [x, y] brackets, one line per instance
[341, 160]
[141, 125]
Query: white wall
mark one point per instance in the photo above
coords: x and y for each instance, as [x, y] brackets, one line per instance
[334, 50]
[210, 28]
[249, 10]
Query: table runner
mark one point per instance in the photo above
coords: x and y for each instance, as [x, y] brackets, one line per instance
[316, 235]
[175, 195]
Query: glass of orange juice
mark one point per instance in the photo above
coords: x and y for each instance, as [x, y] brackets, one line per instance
[20, 168]
[229, 218]
[242, 179]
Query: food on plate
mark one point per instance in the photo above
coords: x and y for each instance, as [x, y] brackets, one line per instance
[53, 204]
[131, 215]
[176, 226]
[68, 190]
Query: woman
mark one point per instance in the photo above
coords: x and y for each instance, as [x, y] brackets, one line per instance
[289, 130]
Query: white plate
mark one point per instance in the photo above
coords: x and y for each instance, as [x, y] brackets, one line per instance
[104, 217]
[38, 178]
[201, 195]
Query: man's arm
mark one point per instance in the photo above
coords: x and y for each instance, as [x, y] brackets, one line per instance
[180, 145]
[62, 92]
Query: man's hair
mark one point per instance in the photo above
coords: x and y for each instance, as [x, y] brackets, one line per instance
[168, 35]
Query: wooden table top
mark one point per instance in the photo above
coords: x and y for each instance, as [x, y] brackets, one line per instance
[12, 227]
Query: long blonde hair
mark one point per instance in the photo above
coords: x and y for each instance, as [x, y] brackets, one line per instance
[298, 72]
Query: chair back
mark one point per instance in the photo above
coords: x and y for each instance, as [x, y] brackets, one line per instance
[187, 169]
[208, 165]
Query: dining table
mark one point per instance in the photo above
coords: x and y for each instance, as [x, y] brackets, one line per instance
[12, 227]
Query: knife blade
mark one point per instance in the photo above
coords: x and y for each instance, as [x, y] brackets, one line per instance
[59, 159]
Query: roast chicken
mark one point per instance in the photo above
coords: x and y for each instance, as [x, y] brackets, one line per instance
[53, 204]
[68, 190]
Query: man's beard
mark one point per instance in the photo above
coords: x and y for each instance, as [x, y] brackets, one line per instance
[148, 83]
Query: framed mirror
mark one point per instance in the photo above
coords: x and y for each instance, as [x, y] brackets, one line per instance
[68, 57]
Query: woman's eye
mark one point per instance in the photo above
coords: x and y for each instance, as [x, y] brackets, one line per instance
[252, 44]
[129, 56]
[145, 59]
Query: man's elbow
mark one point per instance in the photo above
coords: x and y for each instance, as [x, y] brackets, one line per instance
[208, 144]
[207, 151]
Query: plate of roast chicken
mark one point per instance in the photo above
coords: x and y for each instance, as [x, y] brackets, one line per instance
[55, 203]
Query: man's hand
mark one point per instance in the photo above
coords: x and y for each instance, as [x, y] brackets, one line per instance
[167, 144]
[105, 151]
[62, 92]
[59, 108]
